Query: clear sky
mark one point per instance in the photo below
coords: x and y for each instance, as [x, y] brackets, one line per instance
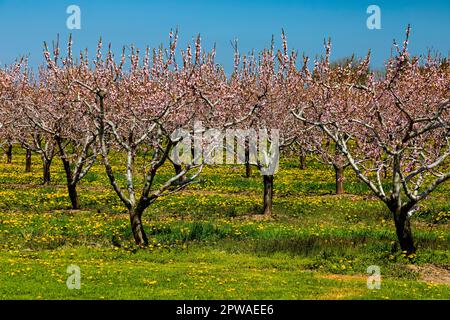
[25, 24]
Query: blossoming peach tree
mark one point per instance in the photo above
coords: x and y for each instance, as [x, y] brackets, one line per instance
[399, 124]
[135, 111]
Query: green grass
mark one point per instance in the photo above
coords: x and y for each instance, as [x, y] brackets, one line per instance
[206, 242]
[197, 273]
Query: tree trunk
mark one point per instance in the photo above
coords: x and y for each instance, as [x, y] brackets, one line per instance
[302, 161]
[403, 230]
[248, 170]
[137, 228]
[71, 185]
[70, 179]
[248, 167]
[73, 195]
[339, 174]
[46, 171]
[9, 154]
[401, 211]
[28, 161]
[268, 195]
[178, 169]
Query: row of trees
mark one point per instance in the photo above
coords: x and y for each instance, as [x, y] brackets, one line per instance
[392, 130]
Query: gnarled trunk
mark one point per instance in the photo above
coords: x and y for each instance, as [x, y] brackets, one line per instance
[178, 170]
[268, 195]
[339, 176]
[46, 164]
[248, 167]
[9, 154]
[401, 211]
[403, 230]
[28, 161]
[136, 226]
[248, 170]
[70, 180]
[302, 161]
[73, 195]
[71, 185]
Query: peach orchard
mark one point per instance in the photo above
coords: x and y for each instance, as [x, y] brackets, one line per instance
[391, 129]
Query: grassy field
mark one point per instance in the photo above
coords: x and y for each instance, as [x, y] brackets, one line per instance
[208, 242]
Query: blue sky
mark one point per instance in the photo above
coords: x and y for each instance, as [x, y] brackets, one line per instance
[25, 24]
